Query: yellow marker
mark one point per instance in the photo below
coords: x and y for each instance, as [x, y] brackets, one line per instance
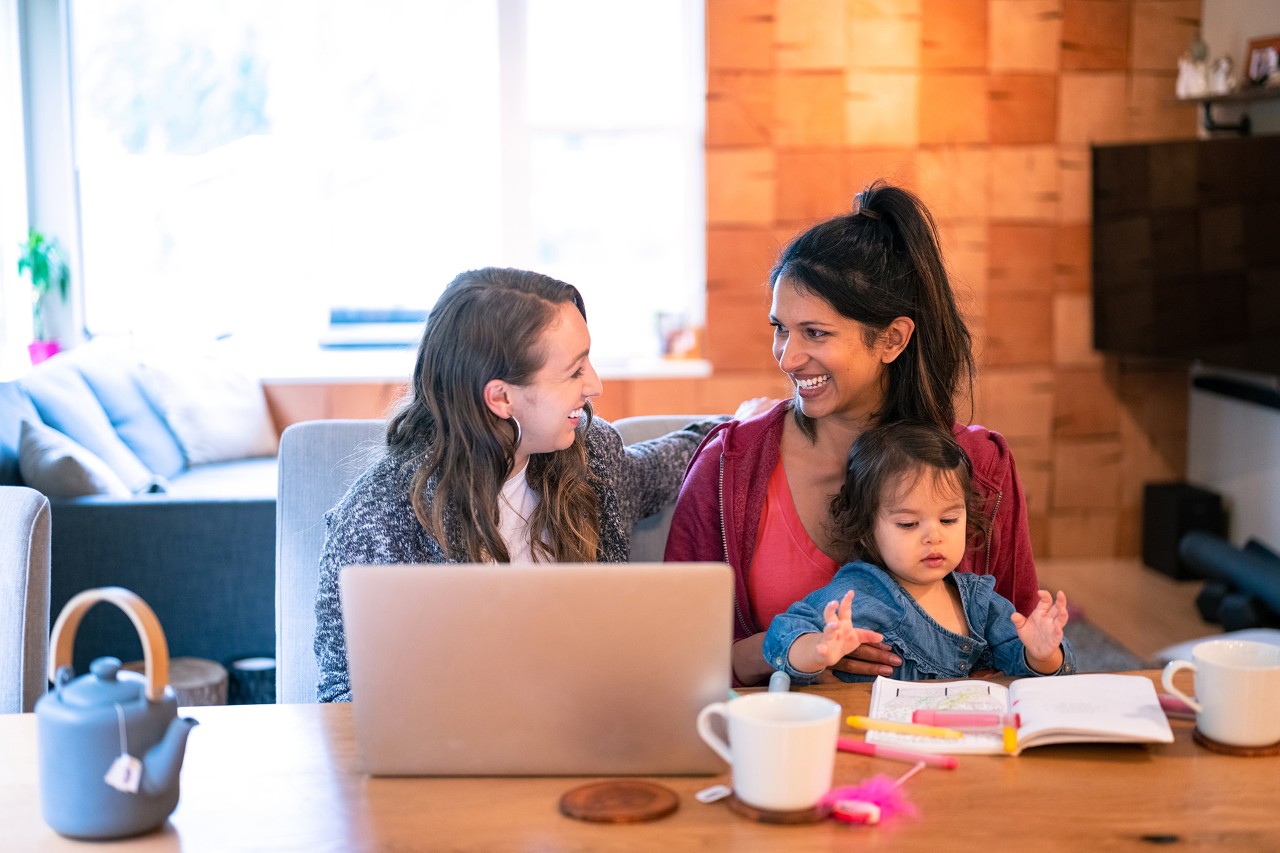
[1010, 740]
[871, 724]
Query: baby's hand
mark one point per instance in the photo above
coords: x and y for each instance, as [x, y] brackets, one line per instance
[1041, 632]
[839, 637]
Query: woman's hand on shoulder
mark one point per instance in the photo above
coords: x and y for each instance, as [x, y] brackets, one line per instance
[754, 406]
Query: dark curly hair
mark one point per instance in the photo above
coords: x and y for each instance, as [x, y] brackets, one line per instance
[894, 456]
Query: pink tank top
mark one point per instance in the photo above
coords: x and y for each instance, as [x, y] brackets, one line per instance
[787, 566]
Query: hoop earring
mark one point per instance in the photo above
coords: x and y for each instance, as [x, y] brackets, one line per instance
[519, 433]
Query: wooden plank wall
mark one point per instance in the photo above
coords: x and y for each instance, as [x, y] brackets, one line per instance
[987, 109]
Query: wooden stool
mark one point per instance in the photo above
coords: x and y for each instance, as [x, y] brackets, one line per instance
[195, 681]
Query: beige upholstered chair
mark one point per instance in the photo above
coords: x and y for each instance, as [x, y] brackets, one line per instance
[24, 598]
[649, 540]
[318, 462]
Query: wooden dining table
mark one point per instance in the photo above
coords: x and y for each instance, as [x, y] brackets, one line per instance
[288, 777]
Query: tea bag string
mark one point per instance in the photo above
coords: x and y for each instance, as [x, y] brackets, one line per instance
[124, 742]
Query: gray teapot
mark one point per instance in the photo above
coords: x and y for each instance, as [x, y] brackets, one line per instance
[109, 750]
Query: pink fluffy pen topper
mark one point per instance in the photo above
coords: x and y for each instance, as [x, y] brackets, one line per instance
[877, 799]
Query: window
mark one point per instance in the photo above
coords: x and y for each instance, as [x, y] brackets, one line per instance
[248, 166]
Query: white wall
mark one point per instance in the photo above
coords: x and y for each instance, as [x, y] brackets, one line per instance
[1233, 447]
[15, 298]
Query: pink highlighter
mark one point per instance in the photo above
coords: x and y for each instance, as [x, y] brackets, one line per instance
[966, 719]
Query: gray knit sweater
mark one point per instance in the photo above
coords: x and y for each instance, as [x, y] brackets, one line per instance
[374, 522]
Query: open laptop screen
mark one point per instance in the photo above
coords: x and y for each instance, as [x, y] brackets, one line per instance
[536, 669]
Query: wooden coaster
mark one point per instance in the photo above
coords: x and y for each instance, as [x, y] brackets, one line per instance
[619, 801]
[1230, 749]
[811, 815]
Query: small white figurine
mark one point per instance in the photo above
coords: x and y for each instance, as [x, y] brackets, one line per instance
[1193, 71]
[1192, 78]
[1221, 80]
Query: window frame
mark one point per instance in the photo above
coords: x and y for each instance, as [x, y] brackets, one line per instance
[52, 172]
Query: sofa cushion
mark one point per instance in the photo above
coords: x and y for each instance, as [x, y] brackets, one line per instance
[54, 464]
[217, 413]
[245, 478]
[15, 407]
[111, 371]
[67, 404]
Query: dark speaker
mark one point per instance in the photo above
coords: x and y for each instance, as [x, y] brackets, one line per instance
[1170, 511]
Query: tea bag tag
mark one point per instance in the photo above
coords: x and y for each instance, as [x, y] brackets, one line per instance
[125, 773]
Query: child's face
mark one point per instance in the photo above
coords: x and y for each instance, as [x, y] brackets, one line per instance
[920, 528]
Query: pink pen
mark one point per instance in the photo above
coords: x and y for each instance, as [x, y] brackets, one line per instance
[861, 747]
[966, 719]
[1175, 708]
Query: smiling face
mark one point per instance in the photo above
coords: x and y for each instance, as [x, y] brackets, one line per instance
[920, 528]
[826, 355]
[550, 407]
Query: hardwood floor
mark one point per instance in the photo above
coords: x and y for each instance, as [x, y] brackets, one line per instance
[1141, 608]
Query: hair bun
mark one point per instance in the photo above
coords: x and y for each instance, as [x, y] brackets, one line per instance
[860, 208]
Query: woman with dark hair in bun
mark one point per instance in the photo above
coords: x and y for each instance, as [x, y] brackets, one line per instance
[865, 325]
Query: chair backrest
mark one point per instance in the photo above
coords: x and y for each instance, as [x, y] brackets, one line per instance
[318, 462]
[649, 540]
[24, 598]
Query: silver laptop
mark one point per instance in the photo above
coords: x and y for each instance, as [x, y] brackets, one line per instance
[536, 670]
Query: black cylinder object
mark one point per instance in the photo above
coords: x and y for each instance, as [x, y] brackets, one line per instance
[1209, 601]
[252, 680]
[1243, 570]
[1238, 612]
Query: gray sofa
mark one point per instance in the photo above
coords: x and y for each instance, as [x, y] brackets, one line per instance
[195, 541]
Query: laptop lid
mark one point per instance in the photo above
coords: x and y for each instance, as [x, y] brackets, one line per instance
[536, 669]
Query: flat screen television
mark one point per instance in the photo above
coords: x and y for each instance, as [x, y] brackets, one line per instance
[1186, 251]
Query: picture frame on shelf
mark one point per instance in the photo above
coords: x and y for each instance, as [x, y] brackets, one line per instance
[1263, 59]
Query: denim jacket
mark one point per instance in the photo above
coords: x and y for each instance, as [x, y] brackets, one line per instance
[927, 649]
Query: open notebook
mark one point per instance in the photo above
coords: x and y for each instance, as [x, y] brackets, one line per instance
[543, 669]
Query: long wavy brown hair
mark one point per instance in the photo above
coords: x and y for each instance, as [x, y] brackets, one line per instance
[488, 325]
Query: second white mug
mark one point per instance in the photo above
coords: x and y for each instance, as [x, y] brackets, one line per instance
[1237, 684]
[782, 747]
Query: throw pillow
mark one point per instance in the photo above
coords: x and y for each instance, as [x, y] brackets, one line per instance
[110, 368]
[55, 465]
[217, 413]
[66, 403]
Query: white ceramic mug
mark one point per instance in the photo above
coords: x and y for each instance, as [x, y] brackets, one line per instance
[782, 747]
[1237, 685]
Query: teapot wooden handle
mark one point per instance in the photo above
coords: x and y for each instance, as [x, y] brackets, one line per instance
[155, 649]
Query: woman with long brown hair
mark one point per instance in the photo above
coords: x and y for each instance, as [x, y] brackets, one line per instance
[495, 454]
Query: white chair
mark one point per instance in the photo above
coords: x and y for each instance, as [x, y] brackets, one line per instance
[318, 462]
[24, 598]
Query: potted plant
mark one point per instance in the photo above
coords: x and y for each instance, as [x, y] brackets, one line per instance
[44, 261]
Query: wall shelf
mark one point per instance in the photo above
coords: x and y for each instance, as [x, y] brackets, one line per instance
[1240, 96]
